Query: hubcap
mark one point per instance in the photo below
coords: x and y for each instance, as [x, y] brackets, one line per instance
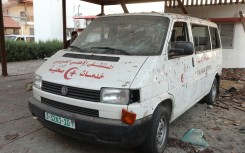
[161, 132]
[214, 92]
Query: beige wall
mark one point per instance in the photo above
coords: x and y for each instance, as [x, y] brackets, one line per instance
[14, 12]
[11, 31]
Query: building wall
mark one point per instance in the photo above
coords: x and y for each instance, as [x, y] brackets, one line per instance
[48, 19]
[4, 1]
[232, 58]
[14, 12]
[233, 73]
[12, 31]
[48, 16]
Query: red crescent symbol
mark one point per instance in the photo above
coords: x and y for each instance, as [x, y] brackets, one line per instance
[66, 73]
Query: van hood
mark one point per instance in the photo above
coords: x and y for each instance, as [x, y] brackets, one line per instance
[91, 71]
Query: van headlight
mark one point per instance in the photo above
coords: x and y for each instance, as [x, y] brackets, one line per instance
[115, 96]
[37, 82]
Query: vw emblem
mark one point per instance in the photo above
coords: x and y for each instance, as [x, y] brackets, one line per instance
[64, 90]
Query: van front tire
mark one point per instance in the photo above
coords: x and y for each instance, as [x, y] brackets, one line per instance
[210, 98]
[158, 132]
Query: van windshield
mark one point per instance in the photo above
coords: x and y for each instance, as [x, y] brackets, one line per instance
[127, 35]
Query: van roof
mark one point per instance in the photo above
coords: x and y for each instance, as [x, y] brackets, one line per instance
[170, 15]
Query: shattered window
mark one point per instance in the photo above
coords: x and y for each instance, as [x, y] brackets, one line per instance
[131, 35]
[180, 32]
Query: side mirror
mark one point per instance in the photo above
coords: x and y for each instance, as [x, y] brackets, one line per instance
[181, 48]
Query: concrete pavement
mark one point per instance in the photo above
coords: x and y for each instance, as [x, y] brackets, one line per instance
[20, 68]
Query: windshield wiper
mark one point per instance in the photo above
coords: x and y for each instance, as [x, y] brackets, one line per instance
[110, 48]
[75, 47]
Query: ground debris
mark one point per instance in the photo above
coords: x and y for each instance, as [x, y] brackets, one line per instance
[226, 95]
[237, 123]
[239, 108]
[242, 130]
[210, 106]
[11, 136]
[232, 89]
[28, 86]
[195, 136]
[216, 128]
[237, 101]
[240, 82]
[231, 97]
[187, 147]
[226, 120]
[220, 106]
[173, 142]
[207, 150]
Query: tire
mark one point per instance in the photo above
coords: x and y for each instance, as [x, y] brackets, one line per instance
[210, 98]
[158, 132]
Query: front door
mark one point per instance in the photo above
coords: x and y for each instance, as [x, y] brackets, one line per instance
[181, 70]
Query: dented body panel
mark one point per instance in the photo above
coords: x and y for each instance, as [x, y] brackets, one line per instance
[151, 77]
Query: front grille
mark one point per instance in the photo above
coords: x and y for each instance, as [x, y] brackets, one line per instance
[70, 108]
[73, 92]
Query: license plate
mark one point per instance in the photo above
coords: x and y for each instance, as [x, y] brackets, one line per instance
[60, 120]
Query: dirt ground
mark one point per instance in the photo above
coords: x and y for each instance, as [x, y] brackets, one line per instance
[222, 124]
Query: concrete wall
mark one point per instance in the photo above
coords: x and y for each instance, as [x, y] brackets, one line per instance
[232, 58]
[48, 16]
[47, 19]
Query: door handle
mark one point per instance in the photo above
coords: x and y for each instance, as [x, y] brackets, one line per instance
[193, 64]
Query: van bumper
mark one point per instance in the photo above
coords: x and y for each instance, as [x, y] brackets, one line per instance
[94, 129]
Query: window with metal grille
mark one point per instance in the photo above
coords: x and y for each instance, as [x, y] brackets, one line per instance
[227, 35]
[23, 15]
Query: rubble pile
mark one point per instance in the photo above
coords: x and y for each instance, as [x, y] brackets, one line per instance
[231, 97]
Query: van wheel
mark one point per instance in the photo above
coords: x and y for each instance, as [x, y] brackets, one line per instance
[158, 132]
[210, 98]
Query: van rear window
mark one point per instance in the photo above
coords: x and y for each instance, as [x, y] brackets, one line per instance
[214, 37]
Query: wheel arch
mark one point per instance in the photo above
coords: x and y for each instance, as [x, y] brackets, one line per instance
[169, 104]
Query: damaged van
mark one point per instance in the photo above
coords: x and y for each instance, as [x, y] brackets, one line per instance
[126, 77]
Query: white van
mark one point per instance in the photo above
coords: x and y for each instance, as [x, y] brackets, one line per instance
[26, 38]
[126, 77]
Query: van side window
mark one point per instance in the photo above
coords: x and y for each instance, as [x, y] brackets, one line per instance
[214, 37]
[180, 32]
[180, 44]
[201, 37]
